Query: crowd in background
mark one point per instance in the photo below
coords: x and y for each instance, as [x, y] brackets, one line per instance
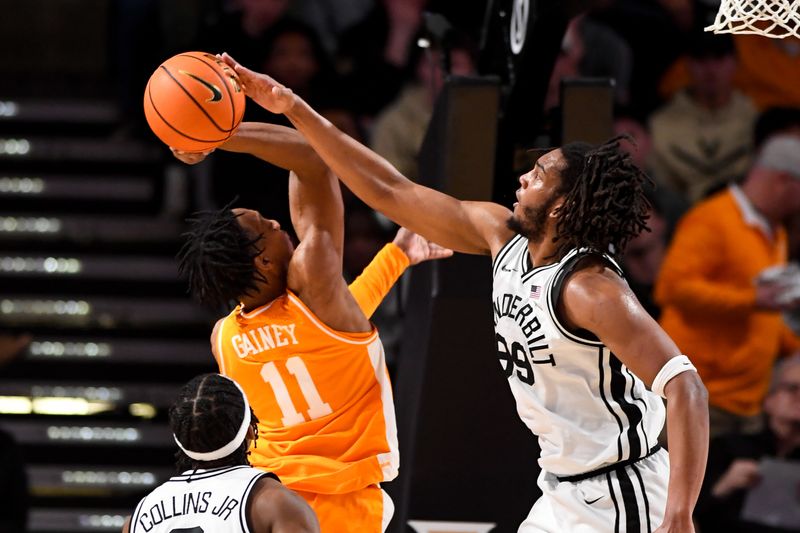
[716, 124]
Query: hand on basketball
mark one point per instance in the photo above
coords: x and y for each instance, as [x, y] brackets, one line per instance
[262, 89]
[190, 158]
[418, 248]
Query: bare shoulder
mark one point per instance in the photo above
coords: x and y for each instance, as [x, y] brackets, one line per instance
[595, 292]
[593, 279]
[276, 509]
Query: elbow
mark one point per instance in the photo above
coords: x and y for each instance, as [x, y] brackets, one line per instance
[688, 388]
[697, 389]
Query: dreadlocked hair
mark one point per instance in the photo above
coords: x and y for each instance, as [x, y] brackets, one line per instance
[205, 417]
[217, 258]
[605, 203]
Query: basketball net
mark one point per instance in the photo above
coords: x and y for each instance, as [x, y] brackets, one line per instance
[772, 18]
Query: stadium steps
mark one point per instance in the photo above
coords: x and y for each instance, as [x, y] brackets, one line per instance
[88, 234]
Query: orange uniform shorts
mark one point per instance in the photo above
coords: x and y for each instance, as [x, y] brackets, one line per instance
[365, 511]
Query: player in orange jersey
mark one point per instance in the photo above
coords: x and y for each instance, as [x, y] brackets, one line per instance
[300, 342]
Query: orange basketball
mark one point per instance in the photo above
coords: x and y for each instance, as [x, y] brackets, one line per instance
[194, 102]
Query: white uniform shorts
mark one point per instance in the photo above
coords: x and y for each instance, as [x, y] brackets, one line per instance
[630, 499]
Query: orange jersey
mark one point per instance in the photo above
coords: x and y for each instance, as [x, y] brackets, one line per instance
[322, 397]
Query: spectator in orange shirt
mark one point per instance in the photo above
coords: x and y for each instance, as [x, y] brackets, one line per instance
[714, 305]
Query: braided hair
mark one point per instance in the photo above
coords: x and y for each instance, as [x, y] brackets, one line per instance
[605, 203]
[205, 417]
[217, 258]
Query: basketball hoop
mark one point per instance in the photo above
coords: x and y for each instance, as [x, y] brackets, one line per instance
[772, 18]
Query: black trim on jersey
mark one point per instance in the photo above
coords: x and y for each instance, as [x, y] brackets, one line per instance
[618, 394]
[525, 267]
[608, 405]
[528, 275]
[644, 496]
[634, 380]
[568, 266]
[633, 522]
[245, 500]
[613, 499]
[507, 247]
[526, 263]
[608, 468]
[207, 474]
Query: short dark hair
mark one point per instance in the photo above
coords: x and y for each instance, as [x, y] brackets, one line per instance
[704, 45]
[205, 417]
[605, 198]
[217, 258]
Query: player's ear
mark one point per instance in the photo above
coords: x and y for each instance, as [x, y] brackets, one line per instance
[263, 266]
[556, 208]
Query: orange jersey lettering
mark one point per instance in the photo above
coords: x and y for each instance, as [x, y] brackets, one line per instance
[323, 397]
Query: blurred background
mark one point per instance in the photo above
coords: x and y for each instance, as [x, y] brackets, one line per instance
[96, 330]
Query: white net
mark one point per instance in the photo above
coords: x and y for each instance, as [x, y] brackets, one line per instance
[772, 18]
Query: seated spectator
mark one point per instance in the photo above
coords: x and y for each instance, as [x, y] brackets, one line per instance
[330, 17]
[399, 130]
[702, 138]
[293, 55]
[290, 51]
[239, 28]
[655, 31]
[373, 55]
[733, 460]
[713, 304]
[590, 49]
[668, 203]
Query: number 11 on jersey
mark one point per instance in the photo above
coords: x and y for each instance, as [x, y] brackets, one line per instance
[297, 368]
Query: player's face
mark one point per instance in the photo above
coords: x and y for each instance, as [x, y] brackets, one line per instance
[536, 197]
[275, 245]
[783, 404]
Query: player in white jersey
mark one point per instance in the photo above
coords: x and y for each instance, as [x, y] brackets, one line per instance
[583, 350]
[217, 490]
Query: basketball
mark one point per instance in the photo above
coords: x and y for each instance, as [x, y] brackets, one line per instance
[194, 102]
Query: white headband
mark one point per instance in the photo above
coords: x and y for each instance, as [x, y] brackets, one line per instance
[229, 448]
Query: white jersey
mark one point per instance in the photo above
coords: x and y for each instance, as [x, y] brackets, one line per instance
[196, 502]
[587, 408]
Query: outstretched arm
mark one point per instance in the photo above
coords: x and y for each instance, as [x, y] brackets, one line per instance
[408, 249]
[600, 301]
[314, 194]
[286, 148]
[469, 227]
[315, 199]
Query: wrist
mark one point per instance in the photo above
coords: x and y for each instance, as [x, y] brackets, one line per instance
[678, 511]
[292, 105]
[398, 253]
